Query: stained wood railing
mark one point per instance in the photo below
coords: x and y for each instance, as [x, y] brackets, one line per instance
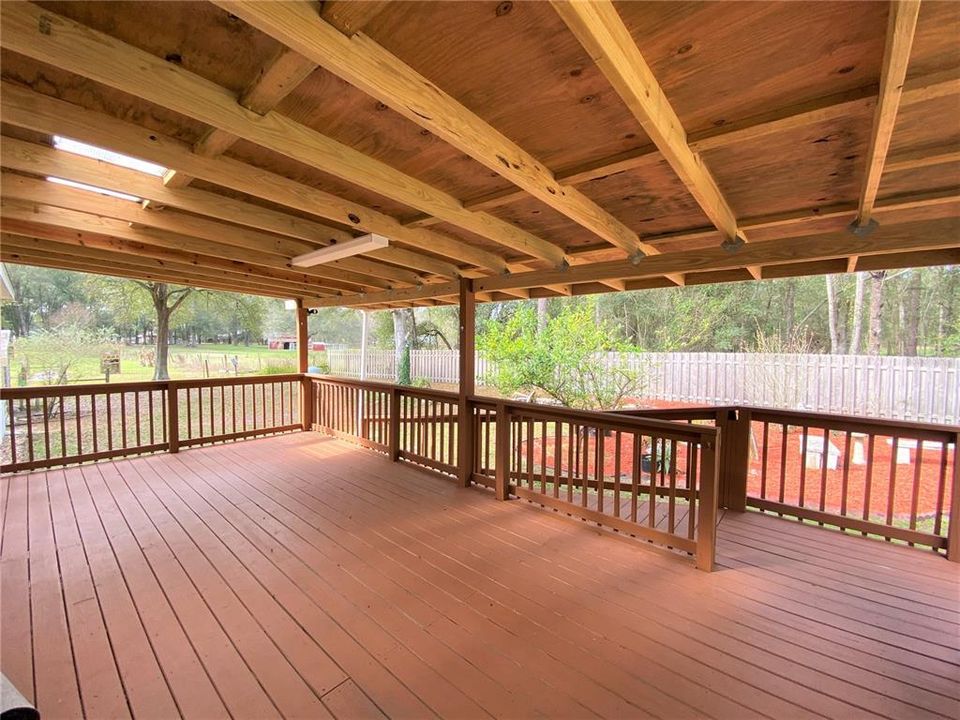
[653, 479]
[48, 426]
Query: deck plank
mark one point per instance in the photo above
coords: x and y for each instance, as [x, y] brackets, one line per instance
[299, 575]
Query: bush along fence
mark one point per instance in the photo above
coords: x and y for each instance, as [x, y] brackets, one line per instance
[898, 388]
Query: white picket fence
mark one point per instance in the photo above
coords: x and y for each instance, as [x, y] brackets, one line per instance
[899, 388]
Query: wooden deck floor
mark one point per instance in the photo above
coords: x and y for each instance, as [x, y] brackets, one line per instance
[299, 576]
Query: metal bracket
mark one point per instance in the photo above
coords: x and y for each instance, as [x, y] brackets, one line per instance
[859, 230]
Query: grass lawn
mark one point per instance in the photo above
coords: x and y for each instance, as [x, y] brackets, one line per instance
[136, 363]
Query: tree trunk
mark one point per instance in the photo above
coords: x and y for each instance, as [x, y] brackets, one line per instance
[404, 332]
[541, 315]
[876, 311]
[162, 346]
[832, 316]
[856, 334]
[789, 308]
[911, 315]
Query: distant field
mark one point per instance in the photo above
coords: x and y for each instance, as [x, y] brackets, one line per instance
[136, 363]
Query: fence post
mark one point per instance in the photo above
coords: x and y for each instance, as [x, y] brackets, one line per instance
[953, 533]
[707, 510]
[306, 403]
[502, 452]
[735, 461]
[173, 418]
[394, 440]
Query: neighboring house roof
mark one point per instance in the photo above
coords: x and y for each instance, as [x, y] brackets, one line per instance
[6, 289]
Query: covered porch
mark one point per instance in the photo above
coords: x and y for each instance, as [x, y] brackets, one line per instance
[301, 575]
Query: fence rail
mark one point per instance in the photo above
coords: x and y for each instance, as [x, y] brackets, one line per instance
[917, 389]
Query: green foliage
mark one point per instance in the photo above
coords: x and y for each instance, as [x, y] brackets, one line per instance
[563, 361]
[403, 372]
[278, 369]
[50, 356]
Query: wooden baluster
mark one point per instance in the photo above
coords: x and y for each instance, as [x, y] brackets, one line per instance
[941, 490]
[652, 511]
[617, 435]
[273, 404]
[543, 456]
[29, 404]
[63, 426]
[187, 394]
[635, 475]
[557, 456]
[672, 501]
[153, 434]
[45, 409]
[917, 481]
[892, 480]
[953, 538]
[123, 419]
[570, 456]
[824, 461]
[200, 432]
[598, 468]
[263, 405]
[136, 416]
[213, 424]
[803, 465]
[764, 459]
[243, 404]
[530, 453]
[77, 418]
[693, 452]
[783, 460]
[868, 482]
[108, 396]
[11, 407]
[395, 410]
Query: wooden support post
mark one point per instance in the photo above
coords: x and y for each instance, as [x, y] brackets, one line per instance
[465, 439]
[953, 533]
[394, 440]
[173, 418]
[502, 452]
[707, 510]
[306, 387]
[735, 462]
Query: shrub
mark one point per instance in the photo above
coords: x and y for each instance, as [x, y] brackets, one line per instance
[403, 374]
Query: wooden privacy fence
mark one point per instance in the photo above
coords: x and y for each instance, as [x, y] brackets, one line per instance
[60, 425]
[917, 389]
[653, 479]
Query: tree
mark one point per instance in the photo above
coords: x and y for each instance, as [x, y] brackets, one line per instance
[911, 314]
[165, 304]
[565, 360]
[856, 334]
[876, 311]
[833, 319]
[404, 333]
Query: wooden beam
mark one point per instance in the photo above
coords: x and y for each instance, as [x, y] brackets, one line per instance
[274, 82]
[52, 255]
[909, 237]
[78, 242]
[924, 157]
[365, 64]
[100, 57]
[601, 31]
[24, 108]
[751, 128]
[30, 211]
[901, 25]
[450, 289]
[356, 270]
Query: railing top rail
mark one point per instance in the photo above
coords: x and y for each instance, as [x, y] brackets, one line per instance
[244, 380]
[37, 391]
[699, 412]
[611, 421]
[385, 386]
[853, 423]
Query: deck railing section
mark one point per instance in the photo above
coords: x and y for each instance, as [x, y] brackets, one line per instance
[54, 425]
[216, 410]
[890, 479]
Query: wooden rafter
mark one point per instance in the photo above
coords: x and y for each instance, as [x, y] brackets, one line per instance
[356, 270]
[27, 211]
[940, 235]
[100, 57]
[368, 66]
[901, 26]
[28, 109]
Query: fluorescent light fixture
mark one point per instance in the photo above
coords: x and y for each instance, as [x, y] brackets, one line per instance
[94, 188]
[97, 153]
[289, 304]
[338, 251]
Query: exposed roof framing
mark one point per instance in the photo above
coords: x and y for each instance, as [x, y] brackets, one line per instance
[900, 30]
[542, 150]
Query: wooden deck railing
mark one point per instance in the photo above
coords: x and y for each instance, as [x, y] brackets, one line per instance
[653, 479]
[50, 426]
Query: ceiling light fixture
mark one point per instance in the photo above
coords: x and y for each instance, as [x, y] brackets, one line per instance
[98, 153]
[338, 251]
[94, 188]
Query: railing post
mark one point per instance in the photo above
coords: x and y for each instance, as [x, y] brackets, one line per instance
[306, 403]
[707, 510]
[173, 417]
[502, 452]
[735, 460]
[953, 533]
[394, 440]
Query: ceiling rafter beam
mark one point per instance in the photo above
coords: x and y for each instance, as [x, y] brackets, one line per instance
[368, 66]
[25, 108]
[100, 57]
[901, 26]
[601, 31]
